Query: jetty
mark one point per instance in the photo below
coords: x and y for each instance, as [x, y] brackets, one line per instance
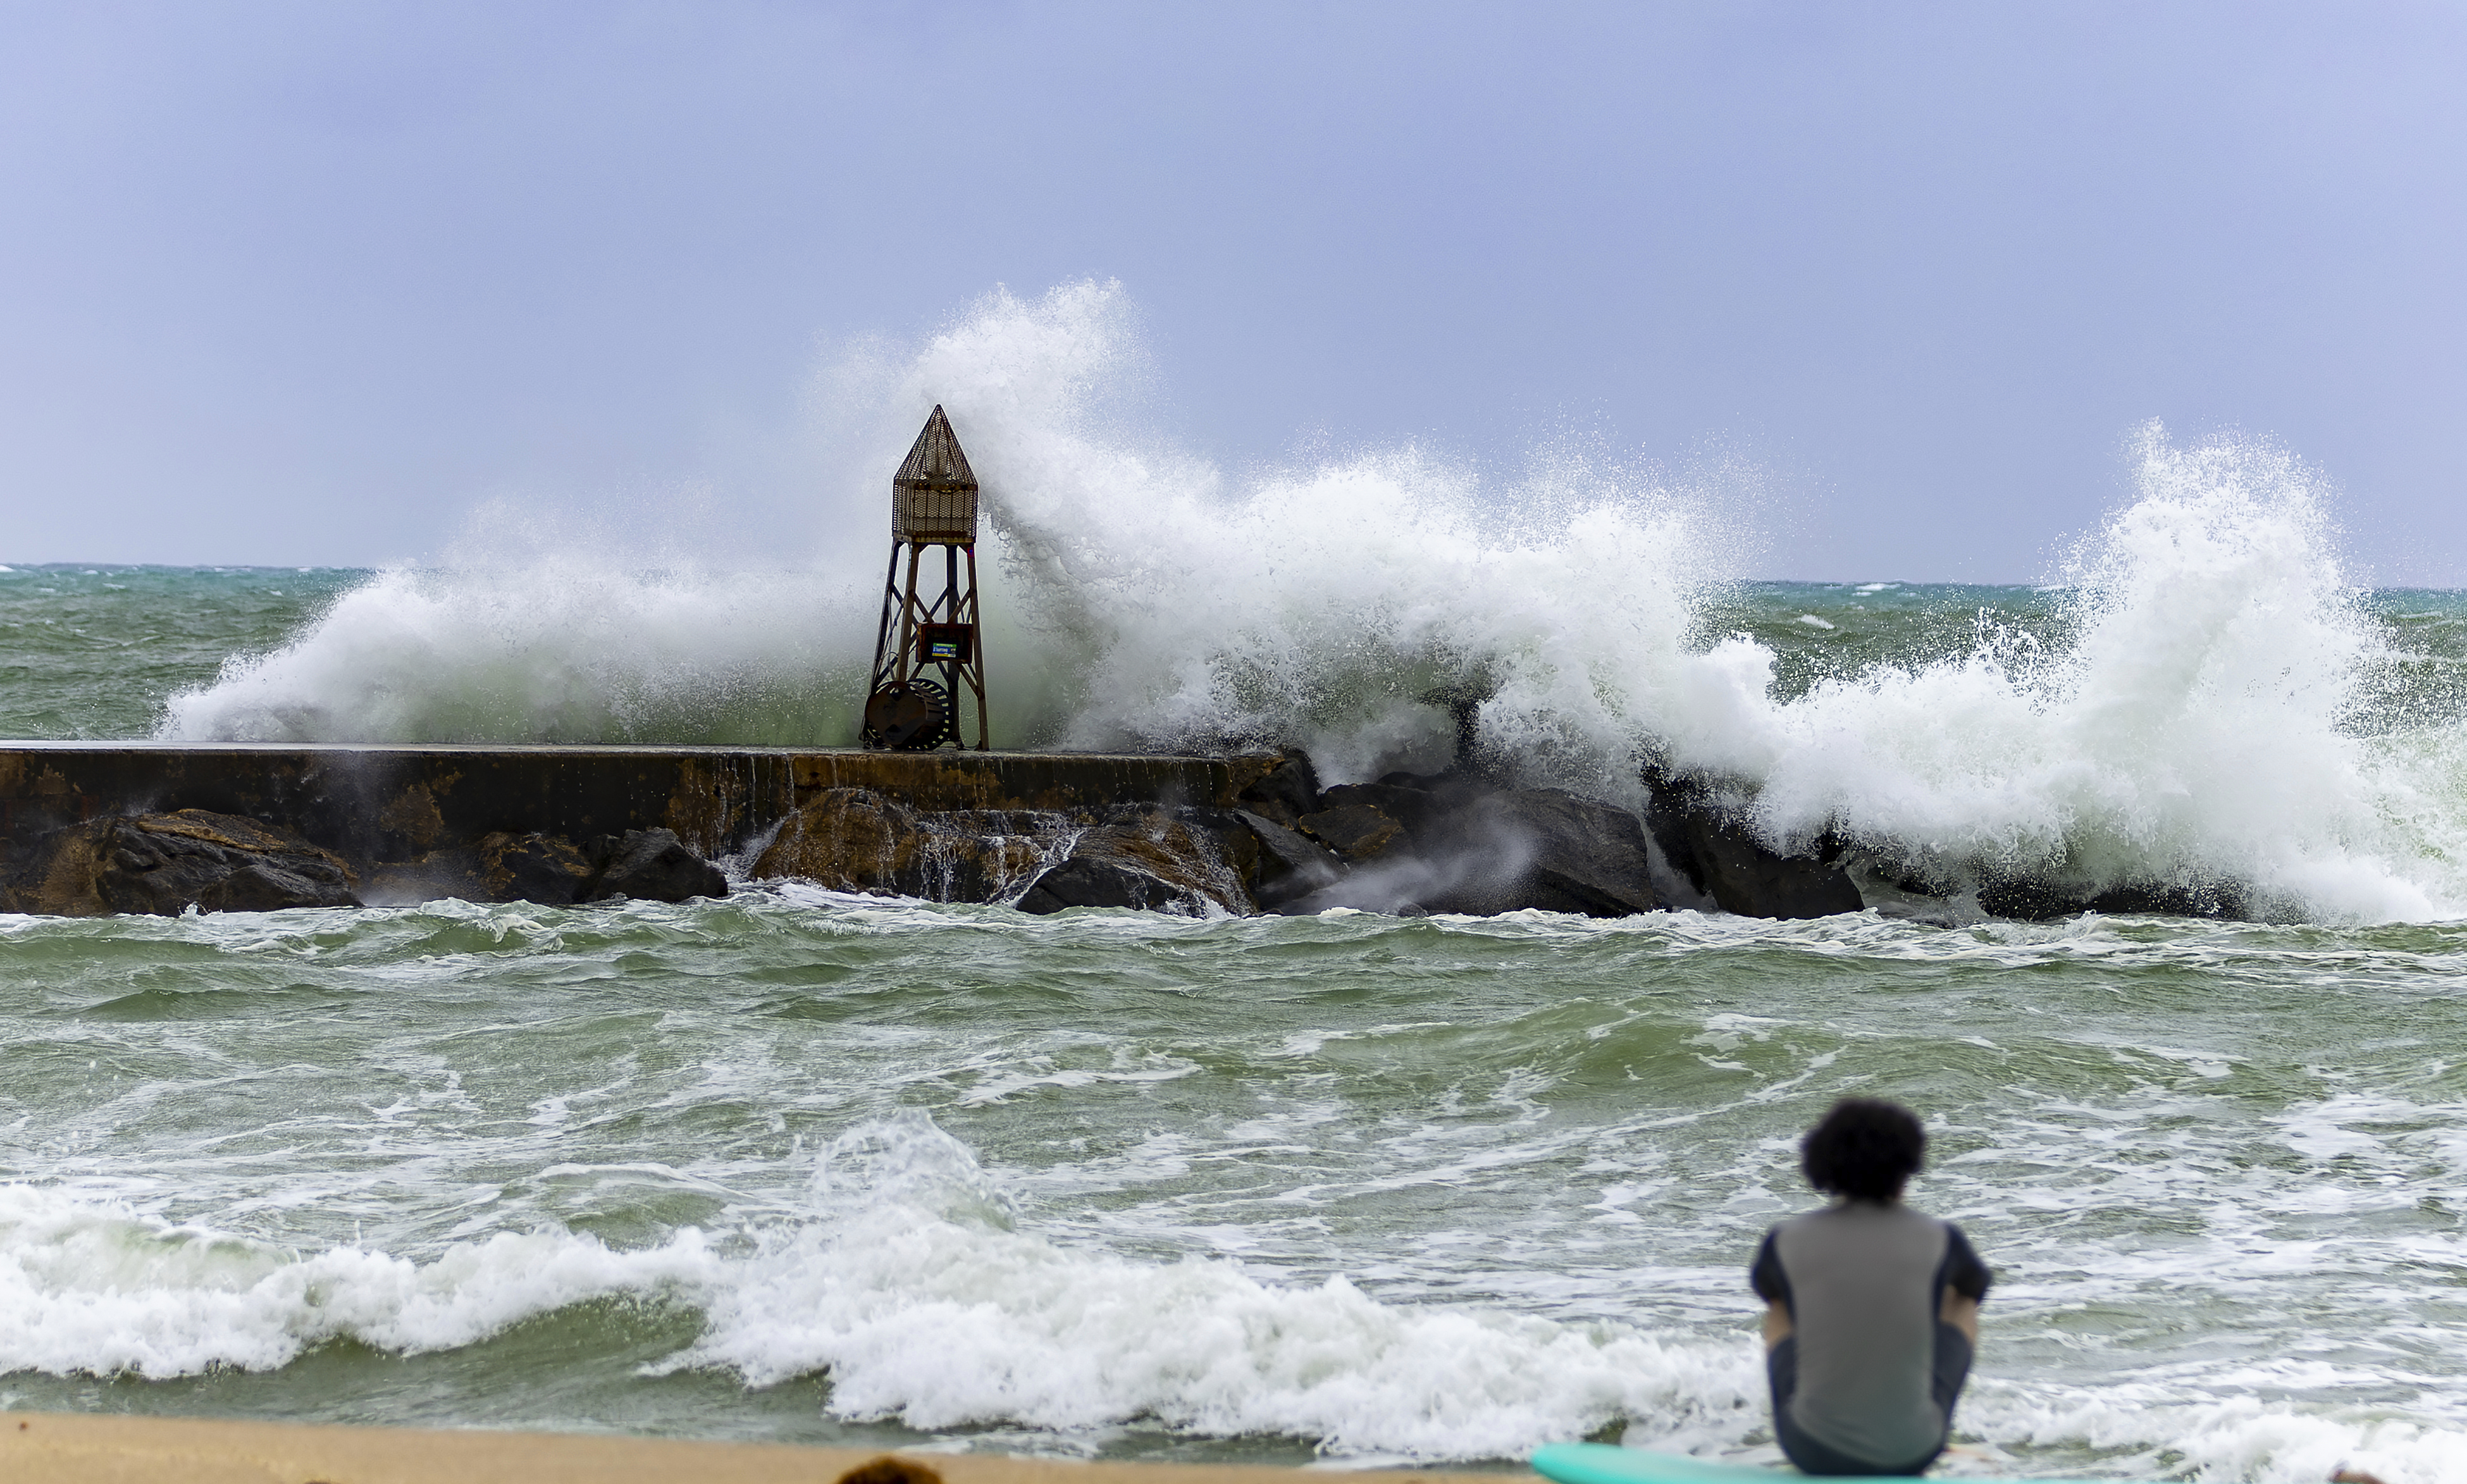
[395, 803]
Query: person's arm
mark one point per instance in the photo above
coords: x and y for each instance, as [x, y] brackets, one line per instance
[1777, 1322]
[1965, 1284]
[1772, 1285]
[1962, 1314]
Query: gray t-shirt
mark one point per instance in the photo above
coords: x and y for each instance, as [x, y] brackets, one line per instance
[1863, 1284]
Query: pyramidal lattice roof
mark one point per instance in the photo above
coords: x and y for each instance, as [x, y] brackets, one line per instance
[935, 462]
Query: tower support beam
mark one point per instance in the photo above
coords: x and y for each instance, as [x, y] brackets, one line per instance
[929, 667]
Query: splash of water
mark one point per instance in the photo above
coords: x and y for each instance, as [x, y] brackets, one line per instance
[2200, 724]
[2197, 723]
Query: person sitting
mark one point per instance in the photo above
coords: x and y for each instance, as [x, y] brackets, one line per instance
[1871, 1309]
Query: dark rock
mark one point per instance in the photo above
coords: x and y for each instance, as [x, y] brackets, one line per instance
[1289, 866]
[1421, 811]
[1085, 881]
[1545, 848]
[1397, 887]
[1452, 789]
[1229, 838]
[543, 869]
[1286, 793]
[1502, 851]
[651, 865]
[1704, 841]
[2224, 899]
[165, 864]
[2027, 899]
[854, 840]
[1181, 847]
[1357, 832]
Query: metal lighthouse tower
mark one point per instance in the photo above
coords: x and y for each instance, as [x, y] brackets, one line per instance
[928, 664]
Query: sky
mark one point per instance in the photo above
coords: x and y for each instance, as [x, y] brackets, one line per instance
[312, 283]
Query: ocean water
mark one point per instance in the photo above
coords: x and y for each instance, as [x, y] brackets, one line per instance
[1348, 1189]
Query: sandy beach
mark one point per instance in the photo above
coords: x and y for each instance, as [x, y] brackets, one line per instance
[45, 1448]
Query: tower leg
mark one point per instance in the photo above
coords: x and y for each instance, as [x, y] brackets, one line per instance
[899, 660]
[882, 632]
[977, 653]
[907, 664]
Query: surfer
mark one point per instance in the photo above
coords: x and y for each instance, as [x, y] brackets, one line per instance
[1871, 1309]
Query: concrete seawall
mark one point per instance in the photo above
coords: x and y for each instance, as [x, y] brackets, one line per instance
[392, 803]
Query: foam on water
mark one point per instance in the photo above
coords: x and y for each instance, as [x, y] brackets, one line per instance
[908, 1285]
[1428, 1189]
[908, 1279]
[2197, 719]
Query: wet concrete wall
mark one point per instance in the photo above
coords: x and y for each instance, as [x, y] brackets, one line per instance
[395, 804]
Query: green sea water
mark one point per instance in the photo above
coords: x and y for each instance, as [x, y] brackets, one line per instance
[813, 1167]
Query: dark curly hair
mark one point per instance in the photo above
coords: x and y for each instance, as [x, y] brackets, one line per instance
[1866, 1149]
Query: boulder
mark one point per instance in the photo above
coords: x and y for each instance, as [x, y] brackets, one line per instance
[1545, 848]
[1481, 851]
[552, 870]
[651, 865]
[854, 840]
[1086, 881]
[1286, 793]
[2029, 899]
[1420, 804]
[165, 864]
[1151, 857]
[543, 869]
[1288, 864]
[1357, 832]
[1706, 841]
[2220, 899]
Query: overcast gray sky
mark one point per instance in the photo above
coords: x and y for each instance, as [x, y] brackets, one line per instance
[295, 284]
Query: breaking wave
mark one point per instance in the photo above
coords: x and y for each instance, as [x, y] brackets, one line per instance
[905, 1283]
[2204, 712]
[906, 1279]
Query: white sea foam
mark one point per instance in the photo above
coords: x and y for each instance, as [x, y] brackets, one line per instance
[2198, 725]
[94, 1285]
[909, 1277]
[907, 1284]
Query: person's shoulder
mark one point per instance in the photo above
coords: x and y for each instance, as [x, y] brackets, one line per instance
[1952, 1229]
[1916, 1217]
[1801, 1220]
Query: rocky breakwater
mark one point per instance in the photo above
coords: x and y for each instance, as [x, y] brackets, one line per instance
[1408, 845]
[167, 864]
[1237, 835]
[1705, 831]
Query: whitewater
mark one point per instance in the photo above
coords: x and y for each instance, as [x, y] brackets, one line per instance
[2208, 695]
[1353, 1189]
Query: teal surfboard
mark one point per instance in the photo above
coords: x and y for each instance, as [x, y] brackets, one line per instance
[1601, 1463]
[1604, 1463]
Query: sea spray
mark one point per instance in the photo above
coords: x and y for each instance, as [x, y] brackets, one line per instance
[2210, 709]
[2198, 723]
[560, 649]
